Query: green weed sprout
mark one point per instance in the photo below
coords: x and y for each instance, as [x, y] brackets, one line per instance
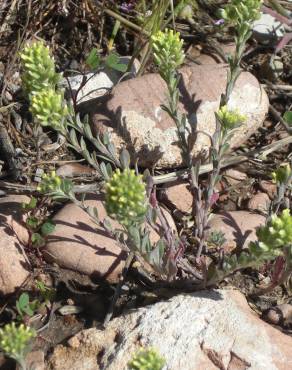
[38, 66]
[146, 359]
[125, 198]
[49, 109]
[14, 342]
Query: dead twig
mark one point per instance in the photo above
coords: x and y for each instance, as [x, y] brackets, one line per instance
[8, 16]
[258, 153]
[278, 117]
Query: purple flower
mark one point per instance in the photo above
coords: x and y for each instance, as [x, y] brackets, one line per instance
[127, 6]
[219, 22]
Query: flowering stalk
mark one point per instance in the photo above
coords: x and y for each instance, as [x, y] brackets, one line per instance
[39, 81]
[241, 14]
[38, 66]
[274, 242]
[227, 122]
[125, 201]
[169, 55]
[49, 108]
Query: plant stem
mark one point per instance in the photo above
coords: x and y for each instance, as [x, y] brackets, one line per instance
[110, 312]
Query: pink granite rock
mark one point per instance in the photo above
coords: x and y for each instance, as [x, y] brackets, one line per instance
[208, 330]
[77, 243]
[136, 120]
[13, 265]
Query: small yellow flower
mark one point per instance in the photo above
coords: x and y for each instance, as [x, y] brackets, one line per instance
[229, 119]
[278, 232]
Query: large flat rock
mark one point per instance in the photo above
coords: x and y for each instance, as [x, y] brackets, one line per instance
[79, 244]
[136, 121]
[208, 330]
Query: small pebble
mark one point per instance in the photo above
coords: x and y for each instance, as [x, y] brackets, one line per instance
[268, 187]
[234, 177]
[280, 315]
[17, 120]
[259, 202]
[38, 175]
[267, 29]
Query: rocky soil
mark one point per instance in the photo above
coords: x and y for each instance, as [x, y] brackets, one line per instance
[226, 327]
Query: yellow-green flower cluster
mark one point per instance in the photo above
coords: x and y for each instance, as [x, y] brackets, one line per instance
[50, 183]
[229, 119]
[40, 81]
[125, 198]
[49, 109]
[278, 231]
[282, 174]
[146, 359]
[38, 68]
[242, 11]
[168, 52]
[14, 340]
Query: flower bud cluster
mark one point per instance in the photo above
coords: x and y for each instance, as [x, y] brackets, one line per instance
[242, 11]
[146, 359]
[38, 68]
[278, 231]
[168, 52]
[49, 109]
[125, 198]
[229, 119]
[50, 183]
[40, 81]
[15, 339]
[242, 14]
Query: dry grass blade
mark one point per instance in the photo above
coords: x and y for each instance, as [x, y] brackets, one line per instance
[8, 16]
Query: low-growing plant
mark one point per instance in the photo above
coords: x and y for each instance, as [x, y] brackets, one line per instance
[130, 198]
[38, 225]
[15, 342]
[169, 56]
[240, 14]
[48, 294]
[25, 307]
[126, 201]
